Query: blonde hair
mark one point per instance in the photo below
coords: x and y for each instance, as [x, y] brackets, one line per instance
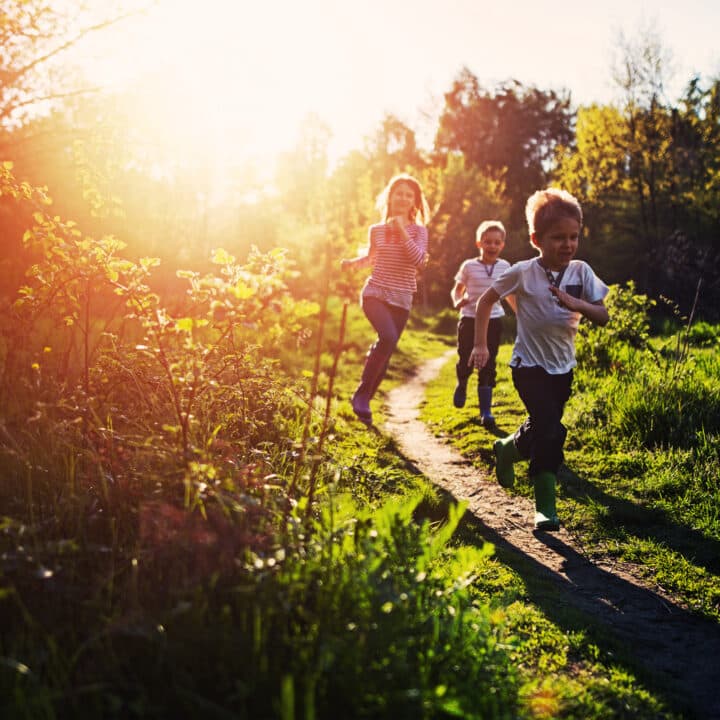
[420, 212]
[545, 207]
[486, 225]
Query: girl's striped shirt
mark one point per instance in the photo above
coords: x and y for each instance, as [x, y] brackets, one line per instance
[395, 262]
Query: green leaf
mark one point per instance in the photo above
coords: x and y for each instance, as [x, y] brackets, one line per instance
[222, 257]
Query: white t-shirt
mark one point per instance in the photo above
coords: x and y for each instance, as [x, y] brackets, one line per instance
[477, 277]
[546, 330]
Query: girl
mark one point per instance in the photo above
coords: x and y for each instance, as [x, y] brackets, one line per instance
[397, 249]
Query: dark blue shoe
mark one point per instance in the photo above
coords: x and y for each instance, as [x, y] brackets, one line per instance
[460, 395]
[361, 410]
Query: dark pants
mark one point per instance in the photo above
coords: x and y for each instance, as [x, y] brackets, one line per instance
[542, 436]
[465, 343]
[389, 322]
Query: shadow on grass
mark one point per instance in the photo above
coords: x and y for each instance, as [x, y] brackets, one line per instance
[645, 523]
[635, 627]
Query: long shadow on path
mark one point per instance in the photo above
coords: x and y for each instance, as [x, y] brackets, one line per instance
[646, 522]
[676, 650]
[668, 645]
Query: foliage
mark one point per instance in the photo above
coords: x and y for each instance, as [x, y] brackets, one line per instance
[32, 34]
[646, 171]
[469, 196]
[625, 337]
[354, 615]
[512, 130]
[159, 463]
[703, 334]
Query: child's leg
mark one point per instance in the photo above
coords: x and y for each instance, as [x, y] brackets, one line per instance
[465, 342]
[542, 436]
[487, 375]
[399, 317]
[389, 322]
[506, 455]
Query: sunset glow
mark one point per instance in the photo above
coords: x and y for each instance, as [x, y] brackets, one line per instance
[219, 78]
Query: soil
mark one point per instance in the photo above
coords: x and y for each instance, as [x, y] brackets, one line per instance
[661, 638]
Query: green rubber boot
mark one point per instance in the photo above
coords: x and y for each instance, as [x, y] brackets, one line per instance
[506, 454]
[545, 513]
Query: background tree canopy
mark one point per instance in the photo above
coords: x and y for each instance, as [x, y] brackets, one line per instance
[646, 170]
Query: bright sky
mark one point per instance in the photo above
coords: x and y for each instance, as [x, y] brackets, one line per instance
[247, 71]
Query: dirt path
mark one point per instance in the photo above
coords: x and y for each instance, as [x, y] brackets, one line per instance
[680, 648]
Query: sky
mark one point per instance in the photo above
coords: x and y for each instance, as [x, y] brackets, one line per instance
[247, 71]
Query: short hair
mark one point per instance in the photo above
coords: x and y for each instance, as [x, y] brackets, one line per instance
[420, 212]
[545, 207]
[486, 225]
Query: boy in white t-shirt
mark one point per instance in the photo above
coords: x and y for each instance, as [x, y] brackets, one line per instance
[551, 293]
[473, 278]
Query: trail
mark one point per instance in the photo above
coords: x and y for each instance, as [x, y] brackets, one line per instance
[680, 648]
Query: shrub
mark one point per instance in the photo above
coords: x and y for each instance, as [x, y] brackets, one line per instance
[626, 335]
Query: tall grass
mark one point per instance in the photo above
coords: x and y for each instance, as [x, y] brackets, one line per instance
[188, 531]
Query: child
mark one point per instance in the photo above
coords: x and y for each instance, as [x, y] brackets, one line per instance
[397, 249]
[552, 292]
[472, 279]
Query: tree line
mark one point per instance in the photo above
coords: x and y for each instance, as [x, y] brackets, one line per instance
[646, 169]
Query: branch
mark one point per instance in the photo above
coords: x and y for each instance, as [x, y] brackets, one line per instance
[14, 76]
[5, 112]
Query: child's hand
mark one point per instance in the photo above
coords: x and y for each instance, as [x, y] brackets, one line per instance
[565, 300]
[345, 264]
[479, 357]
[397, 221]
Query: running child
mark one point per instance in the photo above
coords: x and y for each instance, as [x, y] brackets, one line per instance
[473, 278]
[552, 292]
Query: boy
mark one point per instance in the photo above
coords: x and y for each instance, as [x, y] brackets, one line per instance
[472, 279]
[552, 292]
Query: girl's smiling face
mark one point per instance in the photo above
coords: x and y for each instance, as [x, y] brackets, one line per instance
[559, 243]
[402, 200]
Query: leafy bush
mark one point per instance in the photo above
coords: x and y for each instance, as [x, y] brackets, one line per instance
[703, 334]
[354, 617]
[624, 338]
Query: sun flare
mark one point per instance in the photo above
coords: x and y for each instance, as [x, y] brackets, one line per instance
[225, 80]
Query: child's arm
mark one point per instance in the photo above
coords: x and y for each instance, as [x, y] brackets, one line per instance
[458, 295]
[511, 302]
[480, 353]
[416, 250]
[361, 260]
[595, 312]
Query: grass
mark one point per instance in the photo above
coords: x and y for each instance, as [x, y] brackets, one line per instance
[581, 676]
[656, 506]
[649, 496]
[218, 591]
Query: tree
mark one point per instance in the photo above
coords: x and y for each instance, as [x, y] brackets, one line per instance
[640, 74]
[648, 174]
[301, 173]
[33, 35]
[467, 196]
[392, 149]
[595, 168]
[514, 129]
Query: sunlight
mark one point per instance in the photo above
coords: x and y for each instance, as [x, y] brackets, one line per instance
[225, 80]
